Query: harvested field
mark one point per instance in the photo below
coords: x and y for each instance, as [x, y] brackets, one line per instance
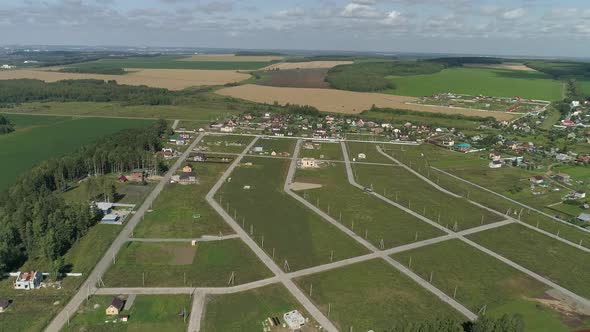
[307, 65]
[510, 66]
[296, 78]
[172, 79]
[232, 58]
[339, 101]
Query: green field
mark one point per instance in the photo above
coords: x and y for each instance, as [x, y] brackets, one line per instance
[559, 262]
[177, 205]
[165, 264]
[224, 143]
[282, 146]
[370, 151]
[148, 313]
[246, 311]
[372, 295]
[369, 214]
[481, 280]
[325, 151]
[480, 81]
[38, 138]
[414, 193]
[171, 62]
[294, 232]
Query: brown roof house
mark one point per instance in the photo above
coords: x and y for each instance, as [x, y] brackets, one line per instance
[116, 306]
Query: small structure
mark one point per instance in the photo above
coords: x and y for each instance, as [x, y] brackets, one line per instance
[200, 157]
[495, 164]
[123, 179]
[537, 179]
[294, 319]
[188, 168]
[28, 280]
[258, 148]
[110, 219]
[136, 177]
[105, 207]
[309, 163]
[187, 178]
[273, 153]
[463, 147]
[362, 156]
[585, 217]
[495, 156]
[124, 318]
[4, 303]
[116, 306]
[562, 177]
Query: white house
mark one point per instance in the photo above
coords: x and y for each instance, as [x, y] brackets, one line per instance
[362, 156]
[495, 164]
[294, 319]
[309, 163]
[28, 280]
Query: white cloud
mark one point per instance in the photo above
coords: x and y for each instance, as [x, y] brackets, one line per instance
[357, 10]
[514, 14]
[289, 13]
[393, 18]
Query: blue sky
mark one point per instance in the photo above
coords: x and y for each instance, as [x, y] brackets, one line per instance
[517, 27]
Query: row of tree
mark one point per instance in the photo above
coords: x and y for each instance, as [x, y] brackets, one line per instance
[5, 125]
[35, 220]
[506, 323]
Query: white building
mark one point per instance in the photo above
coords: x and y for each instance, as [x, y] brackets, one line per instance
[362, 156]
[309, 163]
[28, 280]
[294, 319]
[495, 164]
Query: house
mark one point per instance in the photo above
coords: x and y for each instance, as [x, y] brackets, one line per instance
[180, 142]
[122, 179]
[116, 306]
[463, 147]
[585, 217]
[563, 157]
[575, 103]
[4, 303]
[105, 207]
[273, 153]
[110, 219]
[294, 319]
[7, 67]
[537, 179]
[136, 177]
[258, 148]
[562, 177]
[124, 318]
[495, 156]
[227, 129]
[28, 280]
[309, 163]
[448, 142]
[362, 156]
[187, 178]
[200, 157]
[576, 195]
[495, 164]
[188, 168]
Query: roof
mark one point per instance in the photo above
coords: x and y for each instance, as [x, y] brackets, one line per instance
[187, 175]
[117, 303]
[110, 217]
[584, 216]
[26, 276]
[4, 303]
[104, 205]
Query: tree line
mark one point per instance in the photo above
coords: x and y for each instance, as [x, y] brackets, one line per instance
[5, 125]
[36, 221]
[506, 323]
[91, 69]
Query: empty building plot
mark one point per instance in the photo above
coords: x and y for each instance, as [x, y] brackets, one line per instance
[559, 262]
[224, 143]
[166, 264]
[250, 310]
[277, 147]
[320, 150]
[366, 152]
[289, 232]
[382, 224]
[487, 286]
[408, 190]
[180, 211]
[372, 296]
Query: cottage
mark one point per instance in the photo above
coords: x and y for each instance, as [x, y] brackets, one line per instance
[294, 319]
[495, 164]
[463, 147]
[562, 177]
[105, 207]
[4, 303]
[200, 157]
[122, 179]
[273, 153]
[28, 280]
[124, 318]
[309, 163]
[585, 217]
[136, 176]
[258, 148]
[110, 219]
[495, 156]
[188, 178]
[116, 306]
[537, 179]
[448, 142]
[188, 168]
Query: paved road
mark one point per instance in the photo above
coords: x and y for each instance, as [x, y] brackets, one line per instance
[324, 160]
[205, 238]
[307, 304]
[579, 301]
[102, 266]
[197, 310]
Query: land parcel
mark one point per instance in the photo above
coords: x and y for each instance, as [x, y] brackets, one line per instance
[365, 214]
[291, 232]
[224, 143]
[168, 264]
[483, 283]
[321, 150]
[372, 296]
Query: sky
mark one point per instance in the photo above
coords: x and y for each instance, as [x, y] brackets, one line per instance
[500, 27]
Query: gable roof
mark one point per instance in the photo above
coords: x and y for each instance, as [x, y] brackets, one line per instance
[117, 303]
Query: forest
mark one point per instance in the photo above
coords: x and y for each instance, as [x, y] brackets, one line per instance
[6, 126]
[36, 221]
[561, 69]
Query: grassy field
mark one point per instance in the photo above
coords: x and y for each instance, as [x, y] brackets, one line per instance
[172, 62]
[560, 262]
[148, 313]
[370, 151]
[294, 232]
[127, 193]
[173, 210]
[372, 295]
[246, 311]
[326, 151]
[215, 143]
[369, 214]
[410, 191]
[38, 138]
[282, 146]
[482, 280]
[165, 264]
[490, 82]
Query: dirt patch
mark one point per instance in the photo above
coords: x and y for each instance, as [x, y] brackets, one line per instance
[570, 314]
[181, 254]
[232, 58]
[296, 78]
[339, 101]
[298, 186]
[172, 79]
[307, 65]
[509, 66]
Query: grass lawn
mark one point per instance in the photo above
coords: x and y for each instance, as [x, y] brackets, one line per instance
[127, 193]
[370, 151]
[482, 280]
[296, 233]
[172, 62]
[246, 311]
[410, 191]
[379, 219]
[548, 257]
[225, 143]
[148, 313]
[38, 138]
[165, 264]
[489, 82]
[282, 146]
[325, 151]
[372, 295]
[173, 210]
